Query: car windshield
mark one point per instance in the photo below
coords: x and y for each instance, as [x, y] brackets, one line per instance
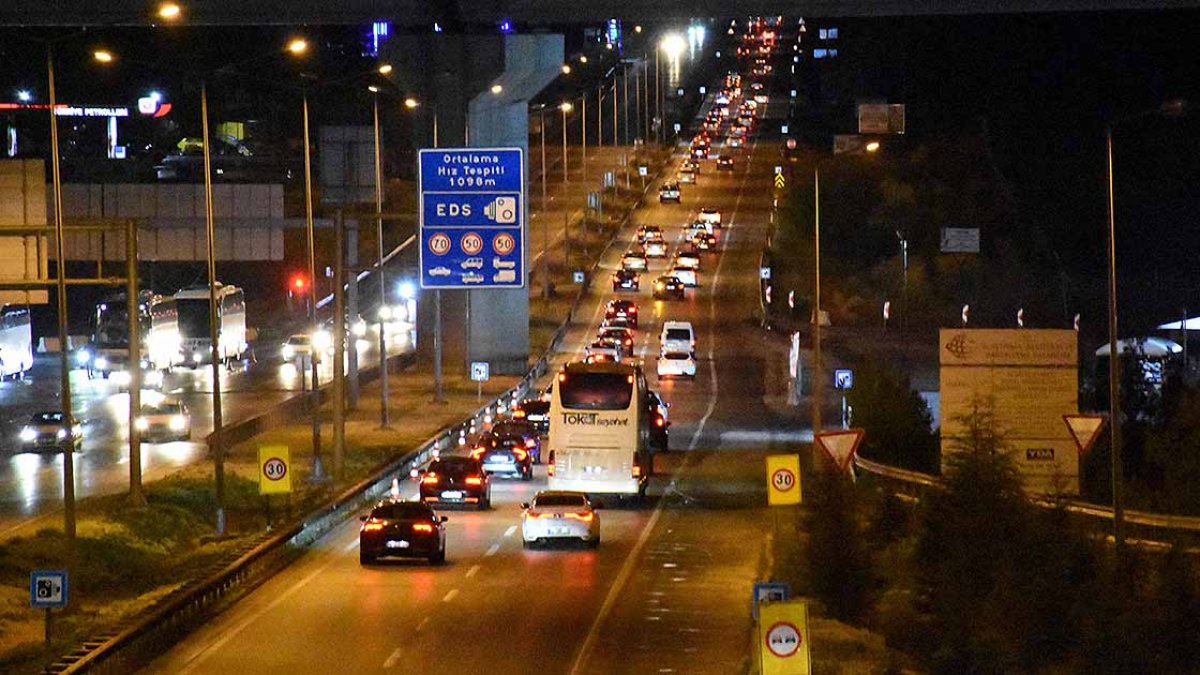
[402, 511]
[298, 340]
[513, 428]
[568, 501]
[535, 407]
[679, 334]
[161, 409]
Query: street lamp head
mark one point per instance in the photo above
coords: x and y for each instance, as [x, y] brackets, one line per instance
[1175, 107]
[566, 69]
[674, 45]
[385, 69]
[565, 107]
[169, 11]
[24, 96]
[297, 46]
[411, 103]
[583, 58]
[373, 89]
[637, 29]
[873, 146]
[103, 56]
[496, 89]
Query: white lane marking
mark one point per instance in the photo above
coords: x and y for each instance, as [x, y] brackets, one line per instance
[492, 550]
[351, 546]
[510, 530]
[422, 624]
[245, 623]
[618, 586]
[451, 595]
[473, 571]
[392, 658]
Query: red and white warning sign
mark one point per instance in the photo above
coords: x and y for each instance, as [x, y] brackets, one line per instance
[439, 244]
[503, 243]
[840, 445]
[471, 243]
[1085, 429]
[783, 639]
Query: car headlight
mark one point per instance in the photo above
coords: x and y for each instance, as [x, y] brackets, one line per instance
[120, 377]
[153, 378]
[101, 362]
[28, 434]
[196, 357]
[142, 424]
[178, 423]
[360, 328]
[288, 352]
[82, 357]
[60, 434]
[322, 339]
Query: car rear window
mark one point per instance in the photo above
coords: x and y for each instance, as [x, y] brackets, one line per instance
[570, 501]
[402, 511]
[679, 334]
[455, 466]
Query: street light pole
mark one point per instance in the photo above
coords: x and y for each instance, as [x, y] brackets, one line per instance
[383, 354]
[64, 357]
[318, 469]
[583, 133]
[658, 97]
[566, 108]
[1114, 362]
[818, 382]
[214, 336]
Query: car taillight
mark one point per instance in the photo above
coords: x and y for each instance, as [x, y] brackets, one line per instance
[550, 465]
[585, 517]
[633, 310]
[530, 443]
[535, 515]
[629, 343]
[372, 526]
[430, 478]
[518, 414]
[637, 471]
[659, 421]
[520, 454]
[422, 527]
[477, 453]
[474, 480]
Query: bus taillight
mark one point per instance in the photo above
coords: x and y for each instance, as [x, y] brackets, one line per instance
[637, 471]
[550, 465]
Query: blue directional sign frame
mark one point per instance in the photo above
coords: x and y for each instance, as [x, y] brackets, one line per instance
[59, 576]
[473, 218]
[843, 378]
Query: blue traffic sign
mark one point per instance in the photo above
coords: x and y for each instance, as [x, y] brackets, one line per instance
[472, 218]
[48, 588]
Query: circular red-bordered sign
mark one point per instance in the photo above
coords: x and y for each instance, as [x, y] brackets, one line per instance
[503, 243]
[439, 244]
[274, 468]
[783, 480]
[783, 639]
[472, 243]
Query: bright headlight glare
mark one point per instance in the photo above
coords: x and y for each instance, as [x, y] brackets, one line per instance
[196, 357]
[83, 357]
[101, 362]
[178, 423]
[142, 424]
[28, 434]
[62, 433]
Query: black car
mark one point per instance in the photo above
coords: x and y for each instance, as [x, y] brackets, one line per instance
[456, 480]
[506, 455]
[725, 163]
[625, 280]
[49, 429]
[622, 309]
[525, 429]
[659, 424]
[536, 412]
[399, 529]
[668, 288]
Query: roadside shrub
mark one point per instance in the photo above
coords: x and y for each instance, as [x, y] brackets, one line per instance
[895, 418]
[839, 562]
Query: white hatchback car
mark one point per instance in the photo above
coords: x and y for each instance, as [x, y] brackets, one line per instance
[677, 336]
[685, 274]
[677, 364]
[559, 514]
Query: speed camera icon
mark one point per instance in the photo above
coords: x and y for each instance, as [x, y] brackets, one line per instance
[502, 210]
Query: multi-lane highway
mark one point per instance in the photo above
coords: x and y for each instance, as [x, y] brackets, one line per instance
[668, 590]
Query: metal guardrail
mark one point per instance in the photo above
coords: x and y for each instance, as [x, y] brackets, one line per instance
[134, 644]
[912, 483]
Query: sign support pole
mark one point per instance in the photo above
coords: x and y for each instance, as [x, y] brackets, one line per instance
[437, 347]
[48, 622]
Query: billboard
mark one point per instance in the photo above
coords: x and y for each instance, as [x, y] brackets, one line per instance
[23, 254]
[881, 118]
[1029, 378]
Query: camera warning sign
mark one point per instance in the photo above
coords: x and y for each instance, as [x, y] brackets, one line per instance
[472, 199]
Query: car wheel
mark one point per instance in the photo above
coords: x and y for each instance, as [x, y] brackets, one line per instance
[525, 543]
[485, 503]
[439, 557]
[365, 559]
[595, 543]
[528, 475]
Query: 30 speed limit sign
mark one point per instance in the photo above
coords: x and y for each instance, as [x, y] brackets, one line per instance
[783, 480]
[274, 475]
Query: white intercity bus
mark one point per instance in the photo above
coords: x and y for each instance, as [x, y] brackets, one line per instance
[600, 430]
[191, 304]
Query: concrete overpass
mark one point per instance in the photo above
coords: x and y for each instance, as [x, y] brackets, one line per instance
[482, 14]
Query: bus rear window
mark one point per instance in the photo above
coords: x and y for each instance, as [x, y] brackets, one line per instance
[596, 391]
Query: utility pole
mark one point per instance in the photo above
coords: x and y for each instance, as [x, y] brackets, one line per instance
[339, 346]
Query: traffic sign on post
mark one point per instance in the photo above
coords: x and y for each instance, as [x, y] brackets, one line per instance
[472, 214]
[784, 638]
[1085, 429]
[783, 480]
[274, 470]
[480, 371]
[48, 589]
[840, 445]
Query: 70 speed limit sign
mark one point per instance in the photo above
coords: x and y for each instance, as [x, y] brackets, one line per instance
[783, 480]
[274, 470]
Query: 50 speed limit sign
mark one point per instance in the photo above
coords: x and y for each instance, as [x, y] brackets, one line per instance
[274, 469]
[783, 480]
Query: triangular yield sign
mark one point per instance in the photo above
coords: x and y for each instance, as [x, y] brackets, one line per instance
[1085, 429]
[840, 445]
